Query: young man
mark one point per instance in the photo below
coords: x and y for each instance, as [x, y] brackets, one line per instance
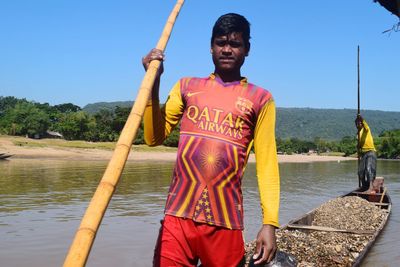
[367, 166]
[221, 116]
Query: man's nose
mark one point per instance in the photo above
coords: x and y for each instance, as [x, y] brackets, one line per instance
[227, 49]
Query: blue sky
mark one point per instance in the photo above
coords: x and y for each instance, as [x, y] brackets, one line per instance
[304, 52]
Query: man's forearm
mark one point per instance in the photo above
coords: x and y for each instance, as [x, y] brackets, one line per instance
[155, 93]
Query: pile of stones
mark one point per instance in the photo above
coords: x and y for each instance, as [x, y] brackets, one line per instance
[323, 248]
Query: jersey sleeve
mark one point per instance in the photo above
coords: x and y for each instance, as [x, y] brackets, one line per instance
[267, 164]
[159, 122]
[366, 139]
[365, 125]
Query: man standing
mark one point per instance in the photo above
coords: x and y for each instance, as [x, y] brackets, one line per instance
[221, 116]
[367, 166]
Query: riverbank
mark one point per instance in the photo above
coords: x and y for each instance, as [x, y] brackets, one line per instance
[26, 148]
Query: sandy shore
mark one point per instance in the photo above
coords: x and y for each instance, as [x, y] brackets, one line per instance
[66, 153]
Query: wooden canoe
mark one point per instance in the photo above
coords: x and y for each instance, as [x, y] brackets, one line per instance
[4, 155]
[381, 200]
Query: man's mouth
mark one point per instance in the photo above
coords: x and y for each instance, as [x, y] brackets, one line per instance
[226, 59]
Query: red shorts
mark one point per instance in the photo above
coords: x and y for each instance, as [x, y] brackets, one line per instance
[183, 242]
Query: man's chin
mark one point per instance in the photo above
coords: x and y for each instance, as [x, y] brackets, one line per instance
[226, 68]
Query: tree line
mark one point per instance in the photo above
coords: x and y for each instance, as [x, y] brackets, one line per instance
[387, 145]
[21, 117]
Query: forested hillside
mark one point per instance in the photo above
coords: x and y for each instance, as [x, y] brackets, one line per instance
[330, 124]
[307, 123]
[299, 130]
[110, 106]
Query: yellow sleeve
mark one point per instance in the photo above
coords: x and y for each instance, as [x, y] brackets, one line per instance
[366, 139]
[159, 122]
[365, 124]
[267, 164]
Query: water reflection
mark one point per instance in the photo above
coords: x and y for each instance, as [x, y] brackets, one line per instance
[42, 203]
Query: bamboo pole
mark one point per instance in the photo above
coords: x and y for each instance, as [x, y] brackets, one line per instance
[383, 195]
[358, 80]
[85, 235]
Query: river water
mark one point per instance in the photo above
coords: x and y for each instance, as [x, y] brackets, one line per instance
[42, 203]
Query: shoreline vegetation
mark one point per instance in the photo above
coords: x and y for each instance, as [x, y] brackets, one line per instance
[27, 148]
[298, 130]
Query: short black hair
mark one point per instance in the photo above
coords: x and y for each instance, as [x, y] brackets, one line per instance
[229, 23]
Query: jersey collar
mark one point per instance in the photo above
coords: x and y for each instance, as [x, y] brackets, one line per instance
[243, 80]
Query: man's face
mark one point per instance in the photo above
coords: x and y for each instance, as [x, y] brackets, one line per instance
[228, 52]
[359, 125]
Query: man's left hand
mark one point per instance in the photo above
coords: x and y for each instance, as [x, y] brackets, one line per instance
[265, 244]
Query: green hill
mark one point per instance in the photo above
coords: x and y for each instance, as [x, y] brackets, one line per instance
[96, 107]
[330, 124]
[307, 123]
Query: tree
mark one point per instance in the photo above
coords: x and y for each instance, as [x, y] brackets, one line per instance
[25, 119]
[348, 145]
[173, 138]
[67, 107]
[104, 125]
[9, 102]
[388, 144]
[120, 116]
[75, 125]
[139, 139]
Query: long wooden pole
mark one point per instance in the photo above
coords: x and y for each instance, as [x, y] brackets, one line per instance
[85, 235]
[358, 111]
[358, 80]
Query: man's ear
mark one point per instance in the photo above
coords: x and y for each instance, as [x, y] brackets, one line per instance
[211, 50]
[248, 50]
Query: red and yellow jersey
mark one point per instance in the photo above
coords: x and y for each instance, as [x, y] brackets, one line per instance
[219, 124]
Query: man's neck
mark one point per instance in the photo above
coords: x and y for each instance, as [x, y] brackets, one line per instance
[229, 77]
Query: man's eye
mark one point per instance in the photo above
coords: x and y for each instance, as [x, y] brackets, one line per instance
[220, 43]
[235, 45]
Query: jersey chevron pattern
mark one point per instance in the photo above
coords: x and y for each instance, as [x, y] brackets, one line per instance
[218, 125]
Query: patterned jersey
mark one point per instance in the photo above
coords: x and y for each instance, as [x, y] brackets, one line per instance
[219, 124]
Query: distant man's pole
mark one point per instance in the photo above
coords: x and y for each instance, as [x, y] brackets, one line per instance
[358, 110]
[358, 80]
[84, 238]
